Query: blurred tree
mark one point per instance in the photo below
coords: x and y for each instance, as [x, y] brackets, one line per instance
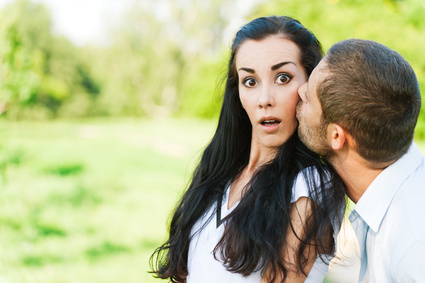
[158, 55]
[21, 64]
[40, 73]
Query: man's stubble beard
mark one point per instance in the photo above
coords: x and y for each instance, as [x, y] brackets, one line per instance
[314, 137]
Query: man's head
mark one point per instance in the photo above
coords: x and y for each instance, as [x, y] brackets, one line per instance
[366, 90]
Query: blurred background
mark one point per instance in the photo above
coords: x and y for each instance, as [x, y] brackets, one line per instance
[105, 106]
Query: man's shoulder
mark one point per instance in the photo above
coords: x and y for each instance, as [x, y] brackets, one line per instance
[402, 223]
[409, 198]
[402, 226]
[402, 240]
[415, 182]
[406, 211]
[410, 263]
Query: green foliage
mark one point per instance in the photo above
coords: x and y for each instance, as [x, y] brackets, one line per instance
[40, 72]
[202, 95]
[157, 64]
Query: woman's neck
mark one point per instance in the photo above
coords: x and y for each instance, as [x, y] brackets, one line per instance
[258, 156]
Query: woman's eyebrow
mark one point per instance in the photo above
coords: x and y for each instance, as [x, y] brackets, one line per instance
[277, 66]
[247, 70]
[274, 67]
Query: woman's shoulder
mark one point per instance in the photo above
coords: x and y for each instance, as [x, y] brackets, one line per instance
[310, 182]
[306, 180]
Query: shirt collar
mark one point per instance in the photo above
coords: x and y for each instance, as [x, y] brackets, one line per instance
[375, 201]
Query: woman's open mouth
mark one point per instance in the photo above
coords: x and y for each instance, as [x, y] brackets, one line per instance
[270, 125]
[270, 122]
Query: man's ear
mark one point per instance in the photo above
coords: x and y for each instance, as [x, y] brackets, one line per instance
[337, 135]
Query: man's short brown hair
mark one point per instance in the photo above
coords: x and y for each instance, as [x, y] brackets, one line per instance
[372, 92]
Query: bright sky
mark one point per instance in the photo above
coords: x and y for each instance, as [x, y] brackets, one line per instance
[83, 21]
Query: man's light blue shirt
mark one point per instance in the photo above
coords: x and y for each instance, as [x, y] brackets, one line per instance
[389, 221]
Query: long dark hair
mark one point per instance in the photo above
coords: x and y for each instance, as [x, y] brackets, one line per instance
[265, 205]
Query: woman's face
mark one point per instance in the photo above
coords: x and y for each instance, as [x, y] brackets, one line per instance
[270, 73]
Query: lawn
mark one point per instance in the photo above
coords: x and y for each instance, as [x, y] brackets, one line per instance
[88, 200]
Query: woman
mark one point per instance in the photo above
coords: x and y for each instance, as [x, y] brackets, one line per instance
[260, 206]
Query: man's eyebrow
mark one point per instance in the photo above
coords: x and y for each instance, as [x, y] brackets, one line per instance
[277, 66]
[247, 70]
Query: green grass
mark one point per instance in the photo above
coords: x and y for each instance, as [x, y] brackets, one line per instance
[88, 201]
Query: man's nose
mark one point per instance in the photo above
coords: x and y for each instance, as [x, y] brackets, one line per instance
[301, 90]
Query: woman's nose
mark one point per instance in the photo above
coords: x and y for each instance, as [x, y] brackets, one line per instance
[266, 98]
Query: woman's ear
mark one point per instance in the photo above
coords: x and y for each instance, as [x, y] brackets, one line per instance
[337, 135]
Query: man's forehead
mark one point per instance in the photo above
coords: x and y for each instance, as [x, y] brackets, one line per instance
[321, 71]
[319, 74]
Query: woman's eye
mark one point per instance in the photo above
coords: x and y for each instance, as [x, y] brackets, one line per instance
[249, 82]
[283, 78]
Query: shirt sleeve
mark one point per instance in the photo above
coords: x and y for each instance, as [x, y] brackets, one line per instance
[301, 184]
[411, 265]
[308, 183]
[300, 188]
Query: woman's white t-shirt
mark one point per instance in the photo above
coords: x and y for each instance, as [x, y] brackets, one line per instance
[204, 268]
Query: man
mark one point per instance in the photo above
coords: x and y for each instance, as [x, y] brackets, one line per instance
[359, 110]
